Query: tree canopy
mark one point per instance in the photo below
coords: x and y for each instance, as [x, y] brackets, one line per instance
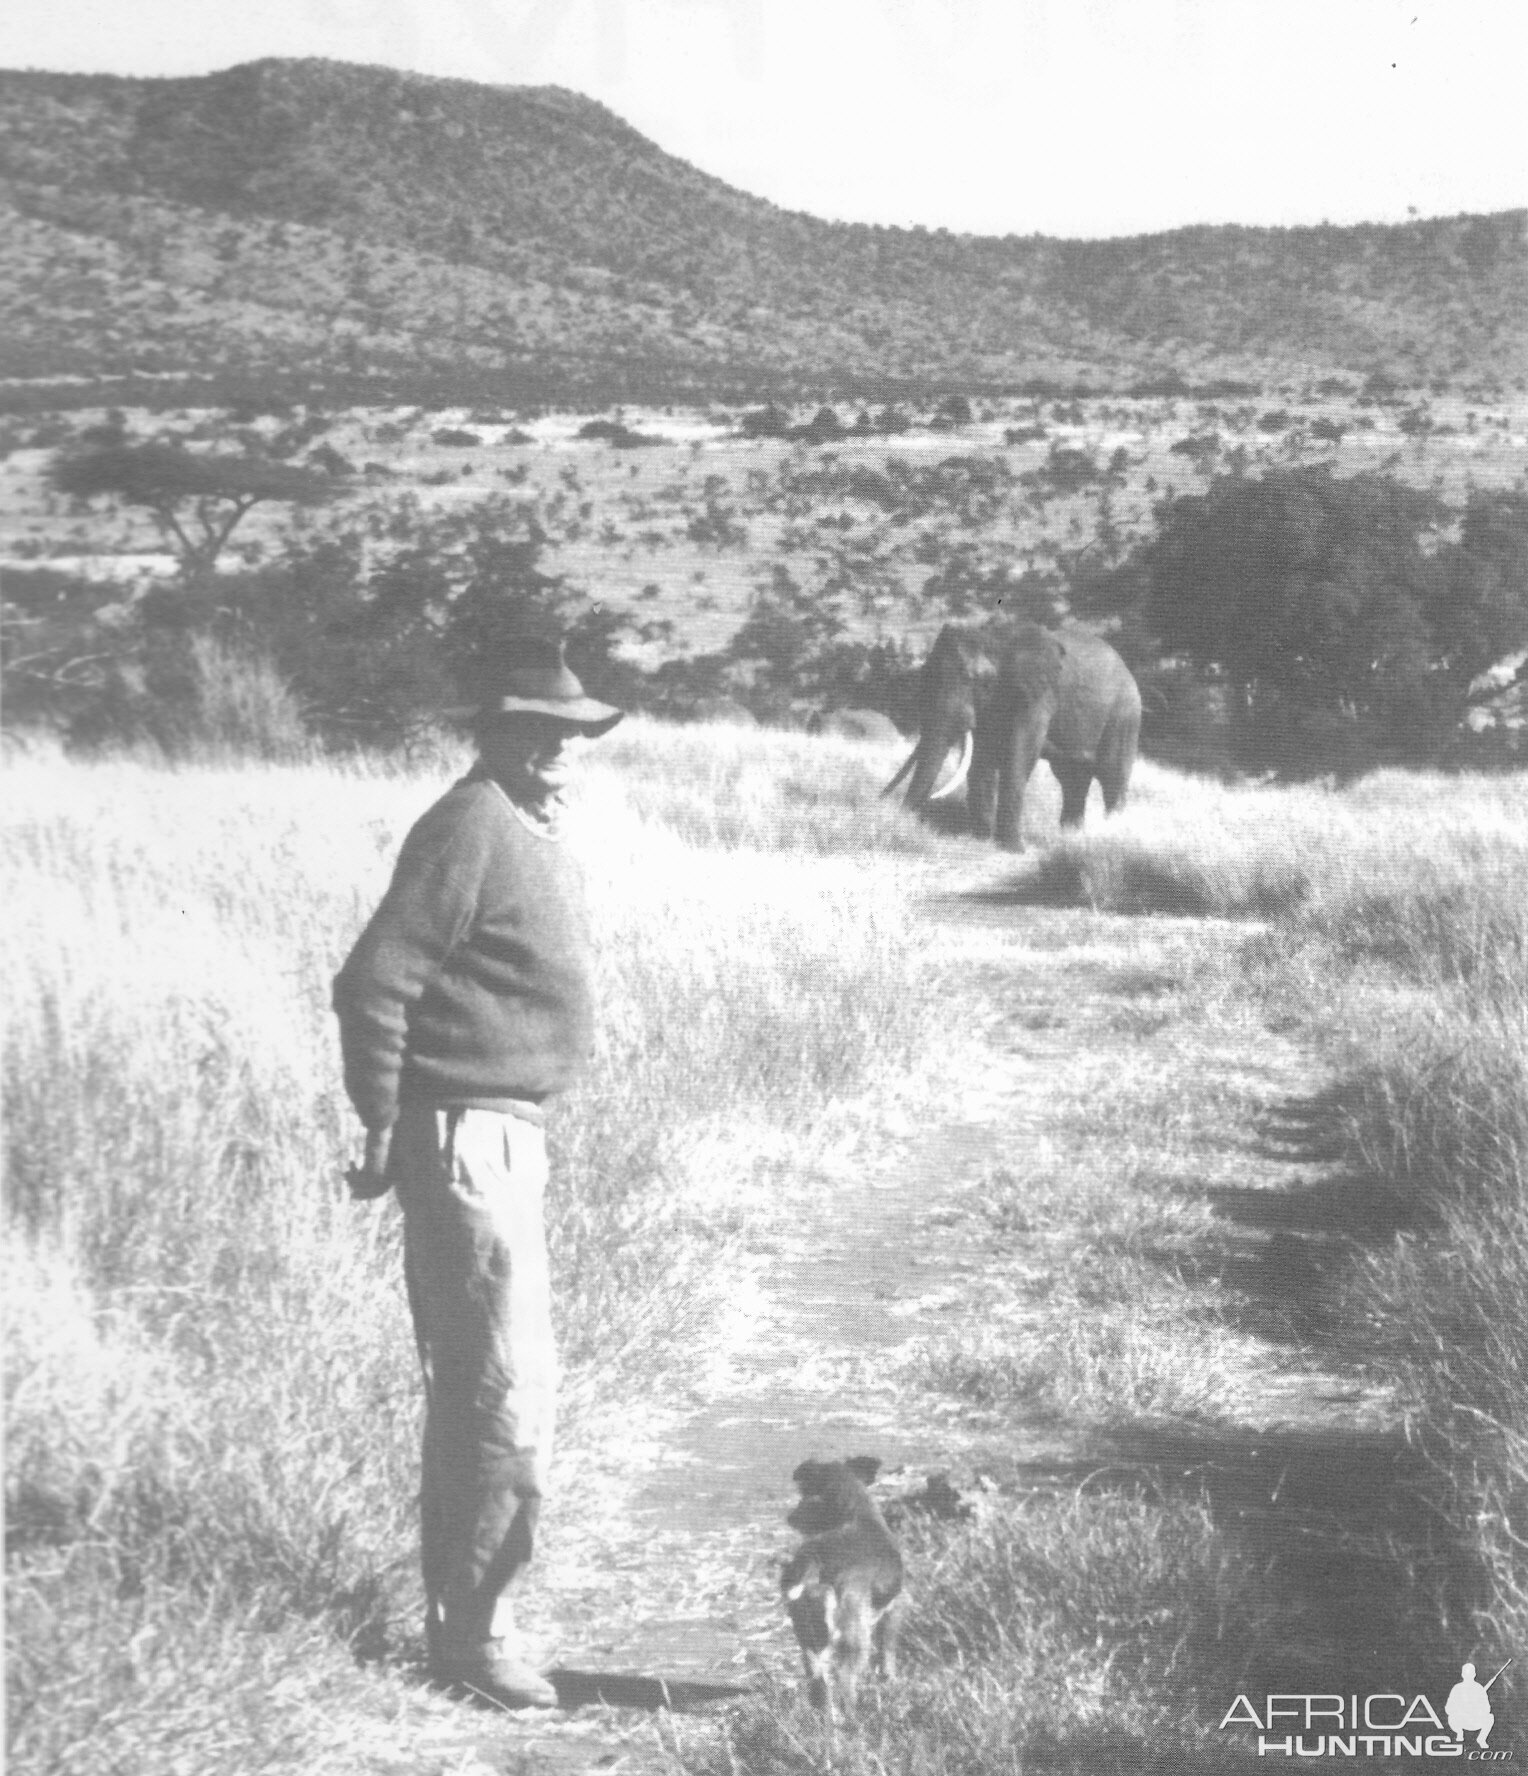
[1356, 600]
[196, 500]
[378, 625]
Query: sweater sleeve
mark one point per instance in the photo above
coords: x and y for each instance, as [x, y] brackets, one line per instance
[427, 910]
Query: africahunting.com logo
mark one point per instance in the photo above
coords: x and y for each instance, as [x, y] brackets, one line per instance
[1382, 1724]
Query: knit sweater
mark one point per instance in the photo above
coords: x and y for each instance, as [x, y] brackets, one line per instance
[471, 983]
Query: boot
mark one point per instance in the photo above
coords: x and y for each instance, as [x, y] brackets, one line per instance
[491, 1669]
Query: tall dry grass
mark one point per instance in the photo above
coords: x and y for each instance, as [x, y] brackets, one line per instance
[1398, 925]
[1415, 868]
[212, 1405]
[211, 1412]
[1069, 1632]
[1107, 1628]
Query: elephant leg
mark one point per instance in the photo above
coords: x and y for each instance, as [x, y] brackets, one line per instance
[1116, 760]
[1010, 812]
[1075, 780]
[1018, 753]
[981, 797]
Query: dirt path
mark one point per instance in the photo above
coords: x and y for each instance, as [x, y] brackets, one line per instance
[659, 1566]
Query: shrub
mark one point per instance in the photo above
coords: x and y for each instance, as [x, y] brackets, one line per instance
[1202, 448]
[823, 427]
[619, 436]
[953, 411]
[765, 422]
[1067, 470]
[1337, 619]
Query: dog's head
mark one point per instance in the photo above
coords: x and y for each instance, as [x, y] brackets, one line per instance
[832, 1493]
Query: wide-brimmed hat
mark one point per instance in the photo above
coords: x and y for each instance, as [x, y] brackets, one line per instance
[537, 680]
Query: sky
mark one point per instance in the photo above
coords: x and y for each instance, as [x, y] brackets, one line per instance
[1060, 117]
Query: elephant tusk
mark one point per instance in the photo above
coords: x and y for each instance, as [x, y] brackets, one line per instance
[938, 795]
[912, 759]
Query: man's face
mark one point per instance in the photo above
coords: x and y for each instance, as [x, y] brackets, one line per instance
[533, 756]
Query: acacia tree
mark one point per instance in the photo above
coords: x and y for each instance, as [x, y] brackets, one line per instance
[195, 500]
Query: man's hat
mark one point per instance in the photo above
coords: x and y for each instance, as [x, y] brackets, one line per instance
[540, 682]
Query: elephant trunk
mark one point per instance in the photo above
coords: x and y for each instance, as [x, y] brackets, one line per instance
[907, 765]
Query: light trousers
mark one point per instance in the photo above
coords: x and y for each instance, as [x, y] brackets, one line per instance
[471, 1184]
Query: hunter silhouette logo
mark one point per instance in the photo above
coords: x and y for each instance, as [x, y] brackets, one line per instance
[1381, 1724]
[1468, 1709]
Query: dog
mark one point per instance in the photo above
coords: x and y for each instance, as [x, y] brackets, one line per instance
[843, 1586]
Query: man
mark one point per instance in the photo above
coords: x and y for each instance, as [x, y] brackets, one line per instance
[465, 1004]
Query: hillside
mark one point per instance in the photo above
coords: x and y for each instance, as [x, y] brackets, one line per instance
[304, 216]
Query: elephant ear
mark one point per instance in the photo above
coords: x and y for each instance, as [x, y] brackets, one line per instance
[1034, 663]
[962, 648]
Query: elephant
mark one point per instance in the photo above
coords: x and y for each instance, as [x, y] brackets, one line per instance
[1010, 697]
[854, 724]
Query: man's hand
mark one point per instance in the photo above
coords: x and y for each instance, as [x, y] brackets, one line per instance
[378, 1144]
[369, 1179]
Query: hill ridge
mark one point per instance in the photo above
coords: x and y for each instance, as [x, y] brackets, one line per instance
[506, 225]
